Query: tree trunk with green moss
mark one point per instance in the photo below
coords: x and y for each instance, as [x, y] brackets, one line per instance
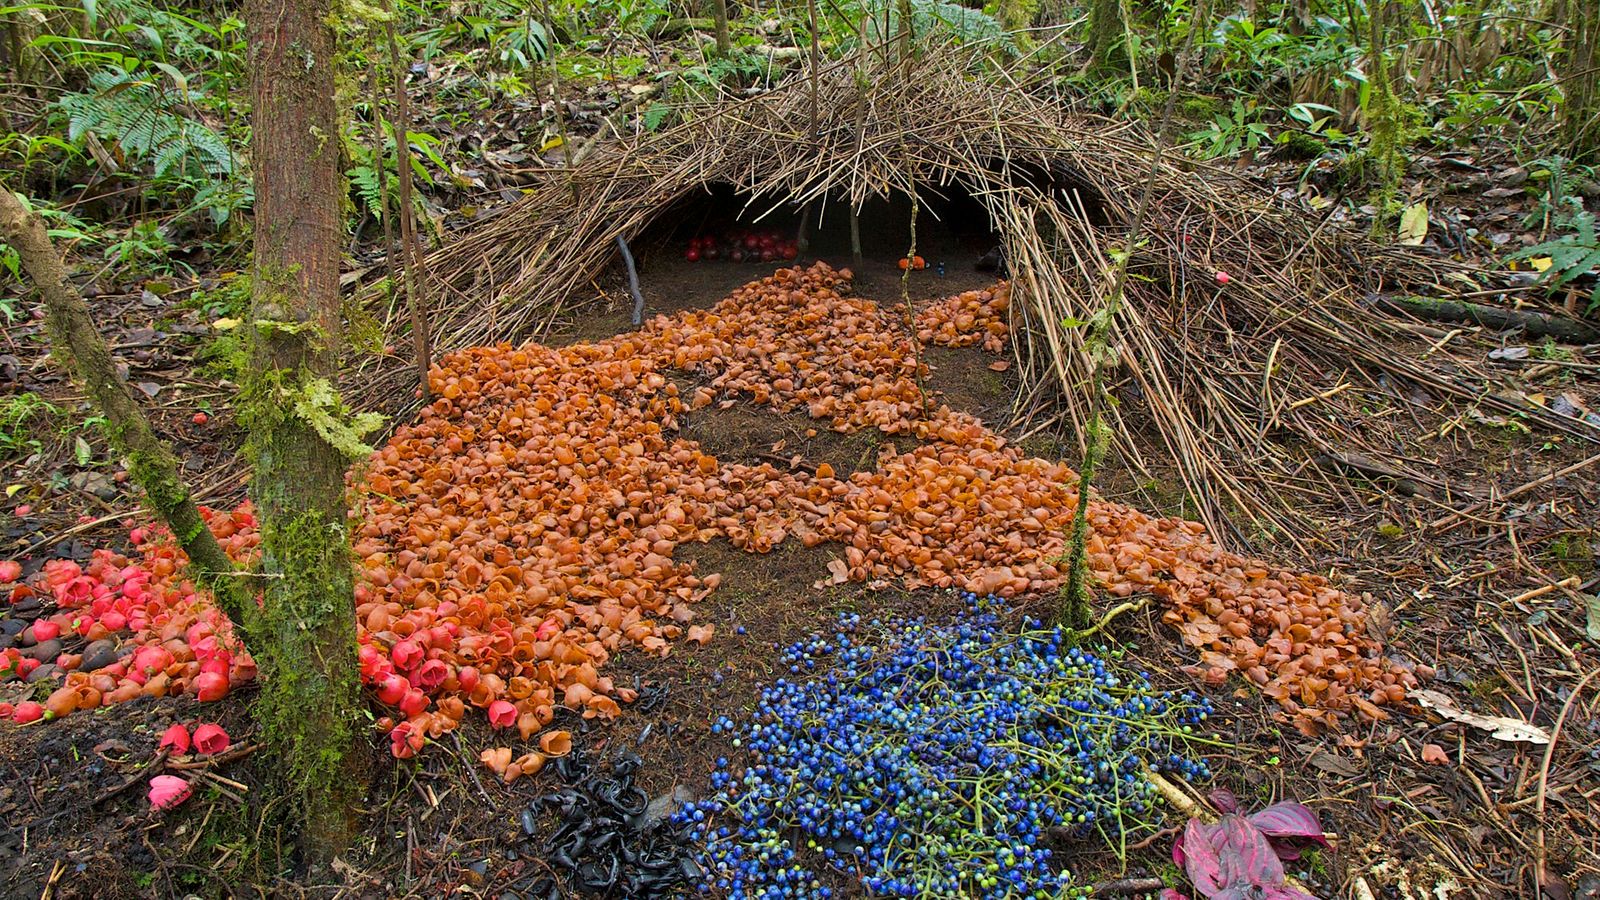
[1108, 36]
[1385, 124]
[298, 441]
[1580, 81]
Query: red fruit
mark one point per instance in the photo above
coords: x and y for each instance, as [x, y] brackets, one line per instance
[392, 689]
[10, 571]
[752, 242]
[404, 741]
[210, 738]
[150, 660]
[114, 621]
[6, 710]
[406, 655]
[502, 714]
[210, 686]
[46, 630]
[431, 674]
[713, 252]
[217, 664]
[768, 254]
[413, 702]
[176, 738]
[693, 255]
[467, 678]
[790, 251]
[547, 630]
[28, 711]
[201, 418]
[1223, 277]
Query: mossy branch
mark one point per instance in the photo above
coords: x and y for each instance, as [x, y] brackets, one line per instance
[75, 340]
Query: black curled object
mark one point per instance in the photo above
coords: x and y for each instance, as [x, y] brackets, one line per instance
[651, 697]
[603, 845]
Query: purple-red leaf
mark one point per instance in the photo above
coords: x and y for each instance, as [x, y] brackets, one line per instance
[1224, 800]
[1230, 860]
[1170, 894]
[1287, 825]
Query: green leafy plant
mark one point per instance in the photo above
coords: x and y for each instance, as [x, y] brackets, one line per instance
[144, 249]
[1234, 132]
[1572, 255]
[147, 114]
[16, 413]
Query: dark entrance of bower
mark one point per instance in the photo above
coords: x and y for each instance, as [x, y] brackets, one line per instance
[709, 242]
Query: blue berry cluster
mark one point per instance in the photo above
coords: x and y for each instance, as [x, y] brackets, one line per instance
[935, 760]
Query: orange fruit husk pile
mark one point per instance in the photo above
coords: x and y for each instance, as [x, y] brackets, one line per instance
[536, 505]
[968, 318]
[523, 529]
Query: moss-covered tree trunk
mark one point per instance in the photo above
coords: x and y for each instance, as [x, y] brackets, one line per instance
[1108, 36]
[1580, 81]
[307, 642]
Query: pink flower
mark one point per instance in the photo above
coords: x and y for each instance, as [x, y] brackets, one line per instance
[392, 689]
[502, 714]
[210, 738]
[167, 791]
[432, 674]
[406, 655]
[210, 686]
[176, 738]
[76, 592]
[10, 571]
[405, 741]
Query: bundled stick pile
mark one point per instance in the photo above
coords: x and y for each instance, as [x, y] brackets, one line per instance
[1247, 341]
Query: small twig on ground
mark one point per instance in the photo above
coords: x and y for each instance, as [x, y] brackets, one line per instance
[154, 763]
[1542, 855]
[204, 763]
[1127, 886]
[1448, 520]
[1112, 613]
[471, 770]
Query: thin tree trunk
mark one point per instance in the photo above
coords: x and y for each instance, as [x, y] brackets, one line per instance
[151, 463]
[904, 38]
[300, 440]
[380, 165]
[1580, 82]
[719, 13]
[1074, 611]
[411, 256]
[816, 57]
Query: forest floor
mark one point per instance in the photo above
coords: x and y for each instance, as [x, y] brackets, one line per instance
[1420, 806]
